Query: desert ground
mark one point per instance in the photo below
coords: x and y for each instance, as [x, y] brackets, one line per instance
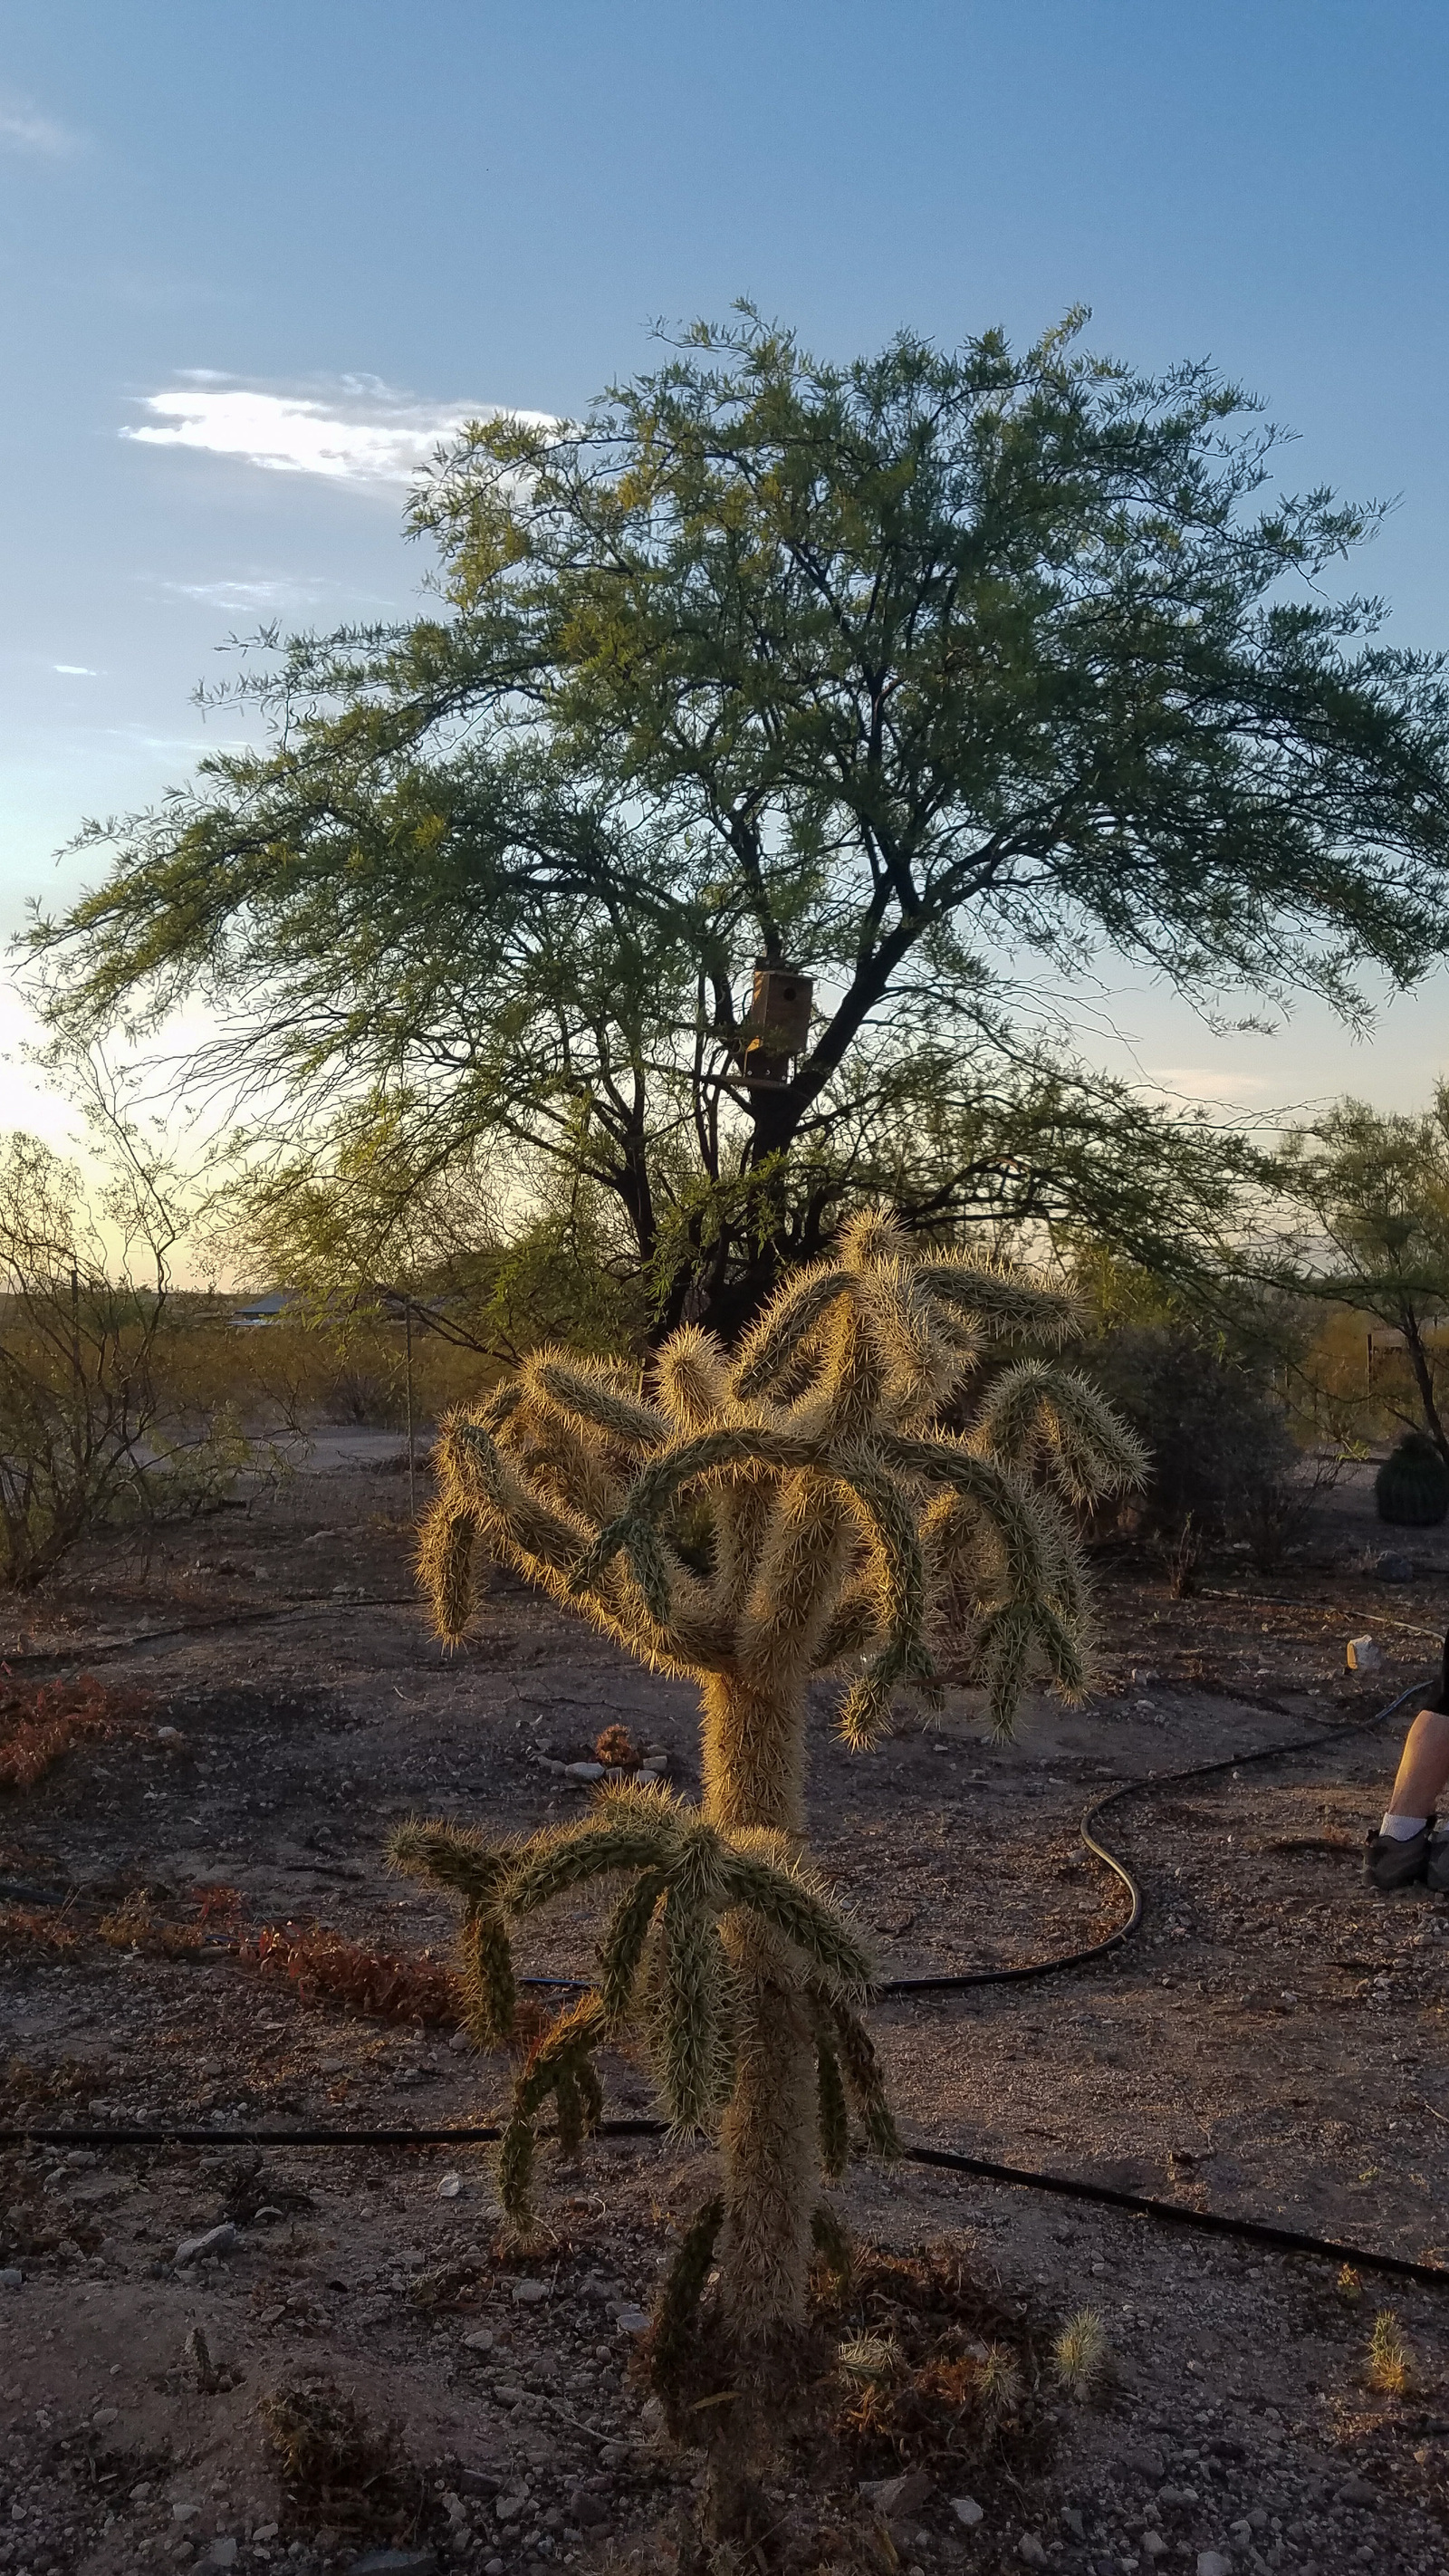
[1270, 2044]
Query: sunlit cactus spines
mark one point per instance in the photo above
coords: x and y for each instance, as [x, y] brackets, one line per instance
[888, 1462]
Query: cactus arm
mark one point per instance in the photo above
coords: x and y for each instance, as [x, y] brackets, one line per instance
[1002, 1299]
[692, 1377]
[1009, 1504]
[453, 1856]
[771, 1345]
[804, 1548]
[800, 1914]
[588, 1402]
[1089, 1450]
[854, 1624]
[864, 2081]
[687, 2038]
[834, 2124]
[490, 1989]
[600, 1848]
[447, 1541]
[561, 2065]
[621, 1951]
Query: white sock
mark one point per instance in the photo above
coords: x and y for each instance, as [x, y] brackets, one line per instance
[1402, 1829]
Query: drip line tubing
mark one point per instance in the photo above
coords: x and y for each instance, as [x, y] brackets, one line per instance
[893, 1988]
[1136, 2204]
[1250, 2231]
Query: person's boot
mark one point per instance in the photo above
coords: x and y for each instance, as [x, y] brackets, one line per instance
[1436, 1867]
[1389, 1864]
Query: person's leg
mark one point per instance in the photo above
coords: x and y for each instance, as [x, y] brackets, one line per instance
[1423, 1766]
[1406, 1850]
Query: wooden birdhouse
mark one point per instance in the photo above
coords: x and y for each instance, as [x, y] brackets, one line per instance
[778, 1026]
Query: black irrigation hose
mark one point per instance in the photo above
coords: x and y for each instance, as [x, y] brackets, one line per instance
[1062, 1961]
[1210, 2222]
[317, 1603]
[1252, 2231]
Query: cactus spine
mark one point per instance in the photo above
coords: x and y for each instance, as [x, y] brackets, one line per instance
[846, 1527]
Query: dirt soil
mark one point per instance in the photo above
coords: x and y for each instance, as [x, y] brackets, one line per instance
[1271, 2044]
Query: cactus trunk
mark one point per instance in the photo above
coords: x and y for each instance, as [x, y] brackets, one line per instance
[754, 1764]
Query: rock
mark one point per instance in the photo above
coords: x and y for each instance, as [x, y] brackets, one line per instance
[1029, 2548]
[632, 2321]
[222, 2553]
[529, 2294]
[105, 2415]
[1154, 2545]
[450, 2186]
[588, 2511]
[894, 2497]
[1391, 1567]
[460, 2040]
[1072, 2517]
[1356, 2491]
[1257, 2517]
[395, 2562]
[1211, 2562]
[1146, 2462]
[509, 2507]
[480, 2340]
[968, 2512]
[480, 2482]
[11, 2277]
[583, 1770]
[217, 2240]
[184, 2512]
[651, 2416]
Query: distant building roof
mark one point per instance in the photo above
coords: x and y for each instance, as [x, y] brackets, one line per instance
[265, 1310]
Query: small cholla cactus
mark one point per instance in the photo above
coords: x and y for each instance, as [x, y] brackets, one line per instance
[854, 1479]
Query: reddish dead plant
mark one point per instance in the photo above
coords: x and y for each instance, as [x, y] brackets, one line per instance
[41, 1721]
[324, 1966]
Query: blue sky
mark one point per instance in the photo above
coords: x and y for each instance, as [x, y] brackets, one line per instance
[287, 243]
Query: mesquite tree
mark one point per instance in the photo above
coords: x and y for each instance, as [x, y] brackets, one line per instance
[931, 673]
[793, 1509]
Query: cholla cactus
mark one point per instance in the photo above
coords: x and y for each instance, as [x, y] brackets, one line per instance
[797, 1508]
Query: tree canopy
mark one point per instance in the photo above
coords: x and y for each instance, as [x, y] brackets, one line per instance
[931, 675]
[1374, 1189]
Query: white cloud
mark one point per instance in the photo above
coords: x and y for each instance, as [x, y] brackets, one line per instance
[250, 598]
[75, 670]
[359, 432]
[24, 129]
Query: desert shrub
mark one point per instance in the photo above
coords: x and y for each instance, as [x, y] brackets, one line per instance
[338, 2469]
[1412, 1486]
[88, 1436]
[1224, 1464]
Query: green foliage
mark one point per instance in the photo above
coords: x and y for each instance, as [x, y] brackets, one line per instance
[931, 672]
[1412, 1485]
[1221, 1452]
[1373, 1191]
